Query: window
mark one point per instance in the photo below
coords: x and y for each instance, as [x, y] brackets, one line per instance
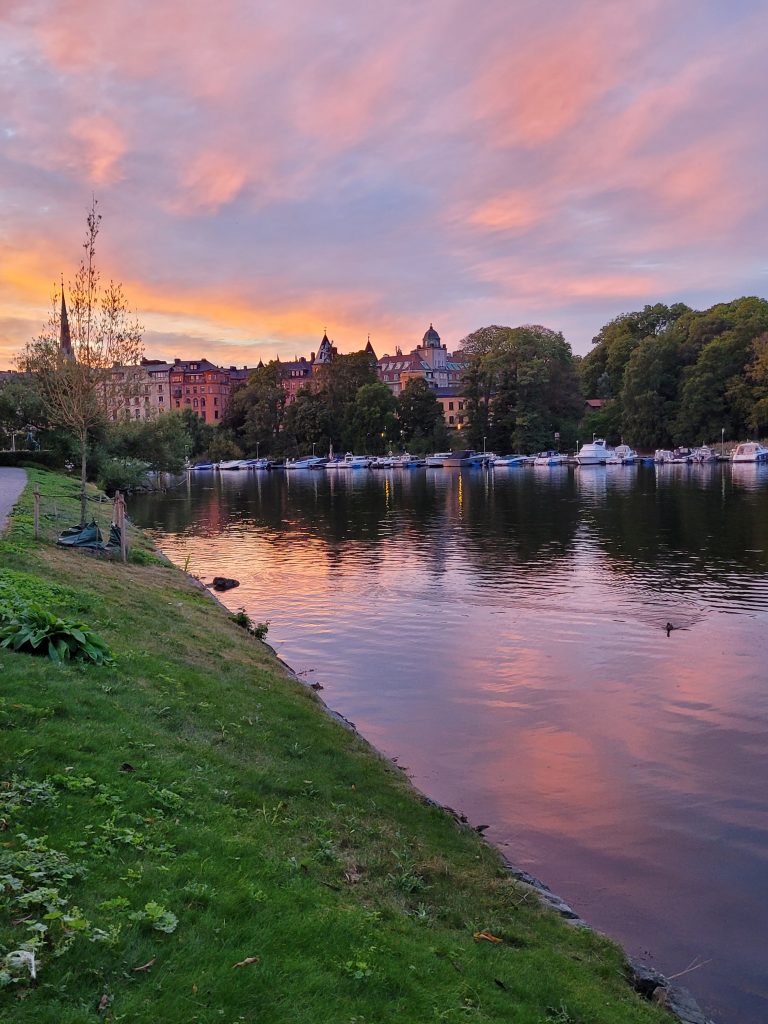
[460, 419]
[178, 405]
[159, 387]
[195, 403]
[450, 406]
[202, 403]
[450, 419]
[194, 391]
[160, 399]
[216, 414]
[137, 414]
[461, 406]
[216, 402]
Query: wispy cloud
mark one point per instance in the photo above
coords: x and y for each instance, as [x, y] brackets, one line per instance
[267, 172]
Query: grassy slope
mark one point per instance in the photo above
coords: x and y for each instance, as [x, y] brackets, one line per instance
[264, 826]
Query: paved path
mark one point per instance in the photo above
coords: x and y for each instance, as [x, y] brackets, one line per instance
[12, 483]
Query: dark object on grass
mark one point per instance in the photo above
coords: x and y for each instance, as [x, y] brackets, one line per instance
[126, 767]
[82, 536]
[224, 583]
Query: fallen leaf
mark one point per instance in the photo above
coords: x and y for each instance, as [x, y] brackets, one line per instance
[486, 936]
[248, 960]
[103, 1003]
[146, 966]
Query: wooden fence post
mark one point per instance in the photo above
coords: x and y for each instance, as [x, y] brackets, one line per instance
[120, 523]
[37, 511]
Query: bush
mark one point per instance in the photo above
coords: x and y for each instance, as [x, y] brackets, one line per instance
[48, 459]
[122, 474]
[28, 628]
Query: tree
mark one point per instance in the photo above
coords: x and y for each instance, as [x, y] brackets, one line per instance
[256, 410]
[418, 410]
[21, 406]
[307, 420]
[521, 387]
[372, 418]
[72, 360]
[339, 383]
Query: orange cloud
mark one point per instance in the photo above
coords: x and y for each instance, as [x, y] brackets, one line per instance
[513, 211]
[100, 147]
[210, 180]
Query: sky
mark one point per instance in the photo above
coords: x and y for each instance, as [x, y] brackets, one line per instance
[269, 170]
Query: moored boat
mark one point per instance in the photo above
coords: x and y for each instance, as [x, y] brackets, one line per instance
[704, 454]
[624, 455]
[749, 451]
[459, 458]
[510, 460]
[438, 458]
[351, 461]
[663, 456]
[307, 462]
[550, 459]
[594, 453]
[232, 464]
[199, 466]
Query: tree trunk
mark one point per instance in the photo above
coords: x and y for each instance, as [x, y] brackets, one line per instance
[83, 466]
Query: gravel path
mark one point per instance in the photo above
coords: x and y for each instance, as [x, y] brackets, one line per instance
[12, 483]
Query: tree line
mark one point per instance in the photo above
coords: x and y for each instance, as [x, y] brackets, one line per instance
[672, 375]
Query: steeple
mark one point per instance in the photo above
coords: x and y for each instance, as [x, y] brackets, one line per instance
[326, 351]
[369, 349]
[65, 338]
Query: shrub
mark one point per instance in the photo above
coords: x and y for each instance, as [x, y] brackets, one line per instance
[29, 628]
[123, 475]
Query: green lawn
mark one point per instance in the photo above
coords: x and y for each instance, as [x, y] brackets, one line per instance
[192, 808]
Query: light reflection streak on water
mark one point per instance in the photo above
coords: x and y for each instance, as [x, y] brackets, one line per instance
[502, 634]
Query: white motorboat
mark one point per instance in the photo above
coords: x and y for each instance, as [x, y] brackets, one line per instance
[749, 451]
[308, 462]
[510, 460]
[232, 464]
[662, 456]
[550, 459]
[704, 454]
[408, 461]
[595, 453]
[682, 456]
[351, 461]
[483, 459]
[383, 462]
[438, 458]
[460, 458]
[624, 455]
[258, 464]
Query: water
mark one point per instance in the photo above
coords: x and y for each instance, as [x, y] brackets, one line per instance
[502, 634]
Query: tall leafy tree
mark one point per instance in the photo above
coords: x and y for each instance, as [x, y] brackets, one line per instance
[372, 418]
[256, 410]
[418, 411]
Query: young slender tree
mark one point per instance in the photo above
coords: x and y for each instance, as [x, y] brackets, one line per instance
[75, 356]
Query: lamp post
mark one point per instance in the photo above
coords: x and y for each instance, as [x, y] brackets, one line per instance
[483, 446]
[313, 448]
[722, 442]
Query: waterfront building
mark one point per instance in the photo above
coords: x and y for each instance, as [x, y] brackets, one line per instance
[429, 361]
[454, 405]
[139, 392]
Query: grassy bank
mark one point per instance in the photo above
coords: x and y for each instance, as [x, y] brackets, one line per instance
[192, 839]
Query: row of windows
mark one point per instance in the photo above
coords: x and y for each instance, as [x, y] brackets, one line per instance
[215, 412]
[455, 419]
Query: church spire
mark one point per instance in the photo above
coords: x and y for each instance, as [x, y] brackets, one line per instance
[65, 338]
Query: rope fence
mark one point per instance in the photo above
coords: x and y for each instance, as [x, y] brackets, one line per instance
[51, 515]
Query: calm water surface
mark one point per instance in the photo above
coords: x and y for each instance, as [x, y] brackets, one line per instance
[502, 635]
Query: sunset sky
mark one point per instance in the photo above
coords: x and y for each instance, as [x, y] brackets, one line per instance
[269, 170]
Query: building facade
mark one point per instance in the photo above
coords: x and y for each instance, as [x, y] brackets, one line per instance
[429, 361]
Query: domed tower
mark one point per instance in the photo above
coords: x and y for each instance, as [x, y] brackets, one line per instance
[432, 350]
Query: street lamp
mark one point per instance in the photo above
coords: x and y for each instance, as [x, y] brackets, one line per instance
[257, 449]
[722, 441]
[483, 446]
[313, 448]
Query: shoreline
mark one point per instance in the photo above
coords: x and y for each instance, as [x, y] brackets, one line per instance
[650, 983]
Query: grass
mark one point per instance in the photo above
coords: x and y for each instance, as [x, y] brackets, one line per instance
[192, 839]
